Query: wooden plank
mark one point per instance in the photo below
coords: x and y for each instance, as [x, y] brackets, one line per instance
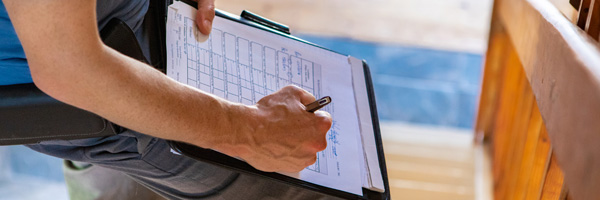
[509, 96]
[582, 15]
[527, 166]
[575, 3]
[553, 183]
[428, 162]
[519, 136]
[491, 86]
[541, 160]
[563, 67]
[592, 26]
[564, 194]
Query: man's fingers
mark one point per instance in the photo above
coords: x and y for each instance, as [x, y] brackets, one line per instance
[311, 161]
[205, 15]
[324, 120]
[304, 96]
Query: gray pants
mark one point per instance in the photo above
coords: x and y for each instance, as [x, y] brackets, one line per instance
[150, 162]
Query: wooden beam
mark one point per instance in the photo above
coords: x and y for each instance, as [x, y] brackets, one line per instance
[592, 26]
[503, 135]
[562, 64]
[575, 3]
[553, 183]
[539, 167]
[495, 60]
[520, 132]
[582, 15]
[528, 169]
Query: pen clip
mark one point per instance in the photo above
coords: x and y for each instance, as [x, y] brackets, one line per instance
[265, 22]
[318, 104]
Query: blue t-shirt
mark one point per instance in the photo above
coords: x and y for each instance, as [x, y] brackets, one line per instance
[13, 64]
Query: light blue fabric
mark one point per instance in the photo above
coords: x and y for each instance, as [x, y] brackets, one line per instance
[13, 65]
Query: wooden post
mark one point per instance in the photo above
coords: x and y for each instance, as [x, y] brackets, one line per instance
[540, 149]
[584, 9]
[592, 26]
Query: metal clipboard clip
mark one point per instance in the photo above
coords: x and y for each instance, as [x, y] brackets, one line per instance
[265, 22]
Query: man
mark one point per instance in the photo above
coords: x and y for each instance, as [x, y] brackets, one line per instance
[68, 61]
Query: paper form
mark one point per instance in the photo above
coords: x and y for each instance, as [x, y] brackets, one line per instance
[243, 64]
[371, 166]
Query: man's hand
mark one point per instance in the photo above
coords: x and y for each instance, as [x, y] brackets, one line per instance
[279, 135]
[205, 15]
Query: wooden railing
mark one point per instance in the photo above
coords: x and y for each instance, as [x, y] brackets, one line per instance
[540, 103]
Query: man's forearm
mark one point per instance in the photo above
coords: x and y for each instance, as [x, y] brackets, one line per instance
[128, 92]
[131, 93]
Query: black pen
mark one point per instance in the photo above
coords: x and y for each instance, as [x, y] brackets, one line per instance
[318, 104]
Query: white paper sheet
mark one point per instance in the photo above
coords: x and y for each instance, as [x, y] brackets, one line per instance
[373, 171]
[243, 64]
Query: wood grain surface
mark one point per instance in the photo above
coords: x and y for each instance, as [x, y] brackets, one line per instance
[562, 66]
[457, 25]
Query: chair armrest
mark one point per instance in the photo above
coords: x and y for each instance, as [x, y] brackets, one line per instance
[28, 115]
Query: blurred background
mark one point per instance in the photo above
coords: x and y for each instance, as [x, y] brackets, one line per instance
[426, 59]
[425, 55]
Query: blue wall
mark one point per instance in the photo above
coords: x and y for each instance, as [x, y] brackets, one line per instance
[417, 85]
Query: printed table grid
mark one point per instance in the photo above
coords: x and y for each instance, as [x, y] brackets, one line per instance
[244, 71]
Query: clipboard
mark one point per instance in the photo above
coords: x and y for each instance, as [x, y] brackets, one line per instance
[219, 159]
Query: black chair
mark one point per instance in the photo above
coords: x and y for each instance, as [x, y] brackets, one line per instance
[28, 115]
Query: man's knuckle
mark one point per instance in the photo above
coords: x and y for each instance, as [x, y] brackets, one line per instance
[298, 92]
[300, 168]
[327, 120]
[311, 161]
[322, 145]
[289, 88]
[295, 90]
[210, 6]
[325, 123]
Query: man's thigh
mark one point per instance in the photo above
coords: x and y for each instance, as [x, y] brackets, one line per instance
[148, 160]
[151, 162]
